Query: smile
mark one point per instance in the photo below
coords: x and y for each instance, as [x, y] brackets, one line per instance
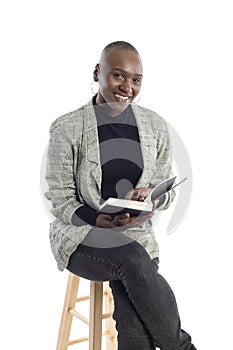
[121, 98]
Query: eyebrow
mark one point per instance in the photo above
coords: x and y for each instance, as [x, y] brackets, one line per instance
[124, 71]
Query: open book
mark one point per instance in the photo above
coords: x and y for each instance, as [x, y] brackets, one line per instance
[115, 206]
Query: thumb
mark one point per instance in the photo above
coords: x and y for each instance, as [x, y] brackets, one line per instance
[124, 216]
[155, 204]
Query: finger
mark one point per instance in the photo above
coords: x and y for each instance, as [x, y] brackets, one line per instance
[109, 217]
[121, 222]
[123, 216]
[129, 194]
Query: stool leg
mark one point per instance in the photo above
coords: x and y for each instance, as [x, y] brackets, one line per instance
[95, 325]
[111, 339]
[69, 303]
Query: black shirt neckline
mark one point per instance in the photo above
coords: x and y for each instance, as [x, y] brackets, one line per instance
[102, 116]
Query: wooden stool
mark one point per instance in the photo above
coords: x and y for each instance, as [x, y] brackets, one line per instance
[95, 315]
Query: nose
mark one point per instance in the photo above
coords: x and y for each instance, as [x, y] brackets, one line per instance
[126, 86]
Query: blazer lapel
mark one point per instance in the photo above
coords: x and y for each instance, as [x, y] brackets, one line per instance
[146, 144]
[92, 143]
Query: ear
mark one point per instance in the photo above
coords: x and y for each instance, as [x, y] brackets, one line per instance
[96, 72]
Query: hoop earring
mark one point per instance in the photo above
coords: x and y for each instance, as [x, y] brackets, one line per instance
[139, 99]
[94, 87]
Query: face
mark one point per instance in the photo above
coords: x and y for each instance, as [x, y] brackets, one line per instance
[119, 74]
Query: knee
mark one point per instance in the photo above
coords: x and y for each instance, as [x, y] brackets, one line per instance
[137, 258]
[139, 252]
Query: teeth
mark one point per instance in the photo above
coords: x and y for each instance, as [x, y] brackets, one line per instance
[122, 98]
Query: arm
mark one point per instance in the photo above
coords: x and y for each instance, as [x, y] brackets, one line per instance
[59, 174]
[84, 215]
[62, 187]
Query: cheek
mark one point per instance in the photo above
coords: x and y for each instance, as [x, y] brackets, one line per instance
[137, 89]
[112, 83]
[106, 84]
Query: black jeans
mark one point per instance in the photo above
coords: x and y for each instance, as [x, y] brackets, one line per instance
[146, 312]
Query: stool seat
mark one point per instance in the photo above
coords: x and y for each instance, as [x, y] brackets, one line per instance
[98, 292]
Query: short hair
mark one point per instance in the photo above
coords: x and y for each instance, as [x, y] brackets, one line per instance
[121, 45]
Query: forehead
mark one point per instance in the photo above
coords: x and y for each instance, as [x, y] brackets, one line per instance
[123, 59]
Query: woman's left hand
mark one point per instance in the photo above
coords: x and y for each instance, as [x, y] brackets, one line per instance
[138, 194]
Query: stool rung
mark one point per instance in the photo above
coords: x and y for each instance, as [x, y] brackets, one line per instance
[87, 297]
[79, 316]
[80, 340]
[106, 315]
[84, 319]
[76, 341]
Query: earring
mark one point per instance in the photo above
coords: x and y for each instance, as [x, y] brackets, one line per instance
[94, 87]
[139, 99]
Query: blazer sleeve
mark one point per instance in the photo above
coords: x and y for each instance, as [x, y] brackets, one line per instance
[164, 163]
[60, 174]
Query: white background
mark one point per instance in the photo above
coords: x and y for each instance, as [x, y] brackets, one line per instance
[48, 52]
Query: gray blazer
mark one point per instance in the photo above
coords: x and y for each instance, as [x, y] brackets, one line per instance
[74, 174]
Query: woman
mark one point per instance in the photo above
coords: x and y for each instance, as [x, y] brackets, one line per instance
[113, 148]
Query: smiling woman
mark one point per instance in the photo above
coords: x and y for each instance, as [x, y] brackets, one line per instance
[119, 74]
[113, 148]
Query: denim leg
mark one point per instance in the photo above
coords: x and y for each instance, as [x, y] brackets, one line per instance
[149, 293]
[154, 301]
[132, 333]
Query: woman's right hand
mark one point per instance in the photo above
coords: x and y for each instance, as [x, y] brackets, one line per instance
[108, 221]
[117, 221]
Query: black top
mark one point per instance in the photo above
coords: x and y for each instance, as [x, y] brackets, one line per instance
[120, 152]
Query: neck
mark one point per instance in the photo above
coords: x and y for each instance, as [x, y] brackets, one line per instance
[110, 108]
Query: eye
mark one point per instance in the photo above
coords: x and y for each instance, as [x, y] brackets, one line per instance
[136, 81]
[118, 76]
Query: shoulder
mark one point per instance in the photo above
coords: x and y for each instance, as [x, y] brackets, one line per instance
[72, 124]
[64, 120]
[68, 118]
[151, 118]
